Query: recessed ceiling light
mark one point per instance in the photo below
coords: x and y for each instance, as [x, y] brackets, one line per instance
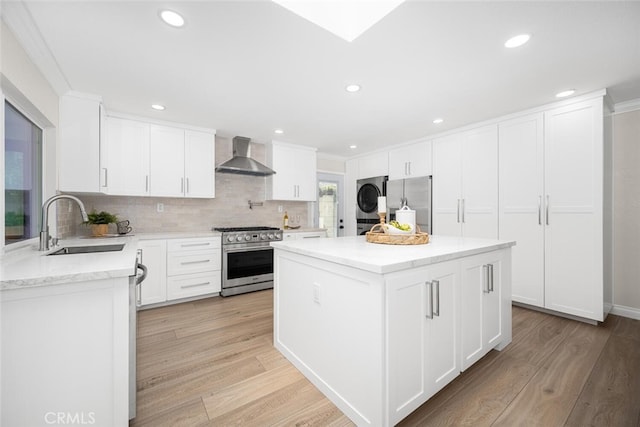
[517, 41]
[279, 131]
[353, 147]
[172, 18]
[438, 121]
[157, 107]
[352, 88]
[565, 93]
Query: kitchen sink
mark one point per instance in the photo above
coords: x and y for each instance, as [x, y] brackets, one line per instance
[70, 250]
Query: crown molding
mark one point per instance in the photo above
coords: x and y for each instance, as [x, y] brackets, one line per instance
[17, 17]
[625, 107]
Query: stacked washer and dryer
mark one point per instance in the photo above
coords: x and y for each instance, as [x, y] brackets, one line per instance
[368, 191]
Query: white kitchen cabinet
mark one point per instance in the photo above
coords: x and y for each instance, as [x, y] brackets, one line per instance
[153, 289]
[373, 165]
[465, 183]
[552, 172]
[199, 164]
[65, 349]
[302, 235]
[125, 159]
[80, 130]
[295, 177]
[411, 161]
[166, 161]
[181, 268]
[521, 207]
[481, 309]
[423, 334]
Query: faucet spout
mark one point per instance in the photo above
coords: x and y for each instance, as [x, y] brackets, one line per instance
[44, 229]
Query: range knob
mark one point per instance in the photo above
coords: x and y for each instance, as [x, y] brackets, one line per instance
[270, 236]
[263, 236]
[247, 237]
[239, 238]
[230, 239]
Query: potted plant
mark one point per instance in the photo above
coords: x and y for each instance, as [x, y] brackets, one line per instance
[99, 222]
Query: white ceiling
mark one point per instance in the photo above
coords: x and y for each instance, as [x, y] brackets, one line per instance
[249, 67]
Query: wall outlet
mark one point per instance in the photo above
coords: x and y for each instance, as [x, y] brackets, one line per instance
[160, 207]
[280, 208]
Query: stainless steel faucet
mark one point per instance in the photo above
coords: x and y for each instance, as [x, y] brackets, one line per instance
[44, 230]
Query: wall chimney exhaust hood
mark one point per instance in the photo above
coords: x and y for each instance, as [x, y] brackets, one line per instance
[241, 163]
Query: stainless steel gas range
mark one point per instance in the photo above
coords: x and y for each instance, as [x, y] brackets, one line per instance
[247, 258]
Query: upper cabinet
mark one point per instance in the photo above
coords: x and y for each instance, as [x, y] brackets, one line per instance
[80, 124]
[410, 161]
[125, 158]
[144, 159]
[372, 165]
[295, 177]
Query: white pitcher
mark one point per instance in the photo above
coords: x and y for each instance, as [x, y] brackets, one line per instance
[405, 215]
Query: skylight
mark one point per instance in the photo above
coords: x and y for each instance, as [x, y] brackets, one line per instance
[347, 19]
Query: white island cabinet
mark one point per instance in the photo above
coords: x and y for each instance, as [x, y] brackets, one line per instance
[379, 329]
[64, 329]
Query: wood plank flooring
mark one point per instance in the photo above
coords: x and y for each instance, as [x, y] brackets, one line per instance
[212, 363]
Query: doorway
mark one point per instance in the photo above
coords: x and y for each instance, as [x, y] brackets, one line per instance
[330, 211]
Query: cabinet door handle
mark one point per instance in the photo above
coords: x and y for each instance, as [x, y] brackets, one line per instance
[462, 210]
[182, 185]
[146, 183]
[193, 285]
[490, 277]
[190, 245]
[203, 261]
[409, 168]
[547, 211]
[485, 278]
[187, 185]
[458, 212]
[429, 315]
[436, 311]
[105, 176]
[539, 210]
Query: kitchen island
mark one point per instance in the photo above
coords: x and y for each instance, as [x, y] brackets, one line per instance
[379, 329]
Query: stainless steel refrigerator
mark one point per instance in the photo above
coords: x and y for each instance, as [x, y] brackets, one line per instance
[415, 193]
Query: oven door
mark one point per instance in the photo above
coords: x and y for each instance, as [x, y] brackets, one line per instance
[246, 265]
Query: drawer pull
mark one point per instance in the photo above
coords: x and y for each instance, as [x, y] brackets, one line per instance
[195, 262]
[193, 285]
[190, 245]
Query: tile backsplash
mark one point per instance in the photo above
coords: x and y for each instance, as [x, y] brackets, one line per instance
[230, 208]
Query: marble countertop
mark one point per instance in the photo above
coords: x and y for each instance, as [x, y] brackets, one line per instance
[304, 230]
[27, 267]
[378, 258]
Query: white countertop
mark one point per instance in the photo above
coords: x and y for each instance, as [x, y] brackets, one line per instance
[28, 267]
[356, 252]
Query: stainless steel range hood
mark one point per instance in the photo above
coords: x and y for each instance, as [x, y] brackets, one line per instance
[241, 163]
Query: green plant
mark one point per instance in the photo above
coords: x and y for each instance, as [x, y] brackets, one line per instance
[101, 218]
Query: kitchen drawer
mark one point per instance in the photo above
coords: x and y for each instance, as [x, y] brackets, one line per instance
[195, 244]
[193, 262]
[190, 285]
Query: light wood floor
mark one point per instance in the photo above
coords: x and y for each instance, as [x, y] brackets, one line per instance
[212, 363]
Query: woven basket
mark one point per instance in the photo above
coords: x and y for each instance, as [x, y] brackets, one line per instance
[379, 234]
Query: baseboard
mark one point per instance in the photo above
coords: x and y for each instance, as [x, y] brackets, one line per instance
[630, 312]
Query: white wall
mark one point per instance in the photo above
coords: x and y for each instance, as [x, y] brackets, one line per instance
[626, 213]
[25, 87]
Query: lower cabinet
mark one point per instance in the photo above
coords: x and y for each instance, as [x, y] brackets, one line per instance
[481, 309]
[180, 268]
[300, 235]
[422, 335]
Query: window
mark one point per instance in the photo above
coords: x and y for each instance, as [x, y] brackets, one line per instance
[23, 176]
